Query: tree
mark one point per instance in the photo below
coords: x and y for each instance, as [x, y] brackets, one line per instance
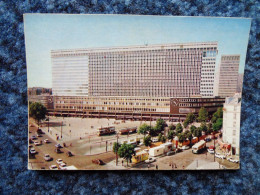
[185, 124]
[188, 135]
[179, 128]
[116, 146]
[218, 114]
[171, 134]
[209, 127]
[37, 111]
[203, 115]
[181, 137]
[147, 140]
[172, 127]
[203, 127]
[126, 151]
[218, 125]
[190, 118]
[197, 132]
[192, 129]
[161, 138]
[144, 129]
[160, 125]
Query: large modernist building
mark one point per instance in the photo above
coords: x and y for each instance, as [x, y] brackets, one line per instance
[169, 70]
[166, 80]
[228, 75]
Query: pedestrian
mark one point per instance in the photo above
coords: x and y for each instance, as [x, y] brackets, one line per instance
[41, 142]
[122, 162]
[156, 167]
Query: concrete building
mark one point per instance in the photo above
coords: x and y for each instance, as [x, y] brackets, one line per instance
[231, 122]
[240, 82]
[228, 75]
[165, 70]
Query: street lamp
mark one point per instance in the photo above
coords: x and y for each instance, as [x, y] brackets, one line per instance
[116, 148]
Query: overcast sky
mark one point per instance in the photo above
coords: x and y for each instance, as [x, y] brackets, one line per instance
[46, 32]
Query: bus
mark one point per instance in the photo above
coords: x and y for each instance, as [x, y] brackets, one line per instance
[106, 131]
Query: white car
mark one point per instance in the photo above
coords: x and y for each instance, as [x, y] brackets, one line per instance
[47, 157]
[155, 140]
[233, 160]
[63, 166]
[211, 151]
[141, 144]
[185, 147]
[149, 160]
[33, 151]
[53, 167]
[220, 156]
[59, 161]
[36, 143]
[46, 141]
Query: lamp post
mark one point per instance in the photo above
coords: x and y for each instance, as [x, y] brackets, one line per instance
[61, 130]
[48, 123]
[116, 148]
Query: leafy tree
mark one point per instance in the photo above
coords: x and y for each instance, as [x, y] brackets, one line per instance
[190, 118]
[144, 129]
[209, 128]
[172, 127]
[197, 132]
[185, 124]
[203, 115]
[161, 138]
[116, 146]
[179, 128]
[160, 125]
[147, 140]
[171, 134]
[153, 131]
[203, 127]
[181, 137]
[218, 125]
[37, 111]
[188, 135]
[126, 151]
[218, 114]
[192, 129]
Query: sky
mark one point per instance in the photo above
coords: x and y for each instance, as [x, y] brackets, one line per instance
[46, 32]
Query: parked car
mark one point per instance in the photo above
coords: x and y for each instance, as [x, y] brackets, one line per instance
[178, 150]
[47, 157]
[69, 154]
[212, 147]
[155, 139]
[36, 143]
[170, 153]
[46, 141]
[185, 147]
[98, 162]
[33, 137]
[59, 161]
[53, 167]
[141, 144]
[211, 151]
[30, 146]
[31, 125]
[233, 160]
[38, 135]
[217, 155]
[39, 131]
[149, 160]
[57, 150]
[33, 151]
[58, 146]
[207, 139]
[63, 166]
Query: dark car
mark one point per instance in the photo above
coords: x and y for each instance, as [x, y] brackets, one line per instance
[69, 154]
[98, 162]
[207, 139]
[58, 146]
[57, 150]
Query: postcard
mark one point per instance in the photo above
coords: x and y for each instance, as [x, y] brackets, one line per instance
[131, 92]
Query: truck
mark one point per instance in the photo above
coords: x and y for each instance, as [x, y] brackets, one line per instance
[156, 151]
[198, 147]
[167, 146]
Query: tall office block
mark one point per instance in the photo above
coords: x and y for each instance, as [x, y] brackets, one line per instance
[228, 74]
[165, 70]
[70, 73]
